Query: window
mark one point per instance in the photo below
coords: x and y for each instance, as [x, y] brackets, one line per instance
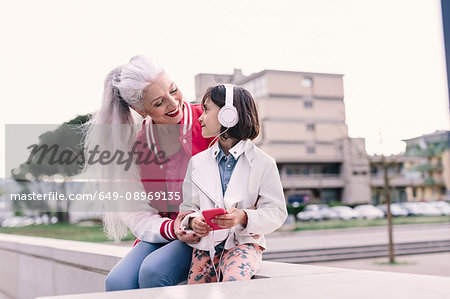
[308, 104]
[306, 169]
[307, 82]
[310, 127]
[310, 149]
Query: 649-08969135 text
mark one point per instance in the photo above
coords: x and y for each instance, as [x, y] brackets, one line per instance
[55, 196]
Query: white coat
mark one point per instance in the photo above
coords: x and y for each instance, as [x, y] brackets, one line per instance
[254, 181]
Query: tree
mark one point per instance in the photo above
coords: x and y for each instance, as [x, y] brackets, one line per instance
[387, 196]
[52, 161]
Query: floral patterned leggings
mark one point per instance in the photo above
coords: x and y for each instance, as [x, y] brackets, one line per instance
[237, 263]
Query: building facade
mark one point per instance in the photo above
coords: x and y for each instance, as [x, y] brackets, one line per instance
[303, 127]
[402, 177]
[432, 163]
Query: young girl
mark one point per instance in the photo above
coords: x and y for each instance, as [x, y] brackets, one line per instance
[235, 175]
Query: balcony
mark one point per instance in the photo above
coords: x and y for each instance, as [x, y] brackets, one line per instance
[397, 181]
[427, 167]
[312, 181]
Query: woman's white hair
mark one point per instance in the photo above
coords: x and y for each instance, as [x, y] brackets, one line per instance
[114, 127]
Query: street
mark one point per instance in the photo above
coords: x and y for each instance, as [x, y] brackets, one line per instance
[318, 239]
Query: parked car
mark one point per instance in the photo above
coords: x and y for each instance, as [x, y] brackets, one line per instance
[421, 209]
[429, 209]
[345, 213]
[17, 221]
[413, 208]
[328, 214]
[396, 210]
[369, 212]
[442, 206]
[311, 212]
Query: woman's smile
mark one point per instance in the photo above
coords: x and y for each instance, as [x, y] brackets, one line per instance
[174, 112]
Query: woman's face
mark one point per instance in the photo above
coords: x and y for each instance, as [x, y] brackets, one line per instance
[163, 101]
[209, 119]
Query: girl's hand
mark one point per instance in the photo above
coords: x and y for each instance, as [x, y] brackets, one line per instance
[231, 218]
[181, 234]
[200, 227]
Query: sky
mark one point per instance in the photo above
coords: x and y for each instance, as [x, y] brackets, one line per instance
[56, 54]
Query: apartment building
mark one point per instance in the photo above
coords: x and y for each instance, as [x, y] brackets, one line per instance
[402, 177]
[304, 128]
[432, 163]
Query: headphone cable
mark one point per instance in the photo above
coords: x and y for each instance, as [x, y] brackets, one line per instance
[215, 138]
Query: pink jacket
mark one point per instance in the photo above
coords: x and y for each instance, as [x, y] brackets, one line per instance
[155, 176]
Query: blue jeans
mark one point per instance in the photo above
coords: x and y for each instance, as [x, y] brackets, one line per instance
[150, 265]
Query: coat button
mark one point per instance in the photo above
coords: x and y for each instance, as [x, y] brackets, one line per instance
[184, 140]
[160, 166]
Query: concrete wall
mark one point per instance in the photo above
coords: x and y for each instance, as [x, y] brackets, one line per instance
[356, 172]
[290, 83]
[286, 108]
[33, 266]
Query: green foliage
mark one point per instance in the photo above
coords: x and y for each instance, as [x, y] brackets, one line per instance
[68, 139]
[63, 231]
[64, 143]
[295, 210]
[433, 149]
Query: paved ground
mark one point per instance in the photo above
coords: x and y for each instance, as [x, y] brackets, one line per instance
[331, 238]
[301, 240]
[429, 264]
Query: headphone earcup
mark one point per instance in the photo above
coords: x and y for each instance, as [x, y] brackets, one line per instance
[228, 116]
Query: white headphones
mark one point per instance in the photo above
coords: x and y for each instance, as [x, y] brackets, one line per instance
[228, 115]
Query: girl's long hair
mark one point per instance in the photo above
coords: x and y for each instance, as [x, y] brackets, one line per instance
[114, 128]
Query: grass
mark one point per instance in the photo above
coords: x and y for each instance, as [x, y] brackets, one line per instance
[333, 224]
[95, 233]
[63, 231]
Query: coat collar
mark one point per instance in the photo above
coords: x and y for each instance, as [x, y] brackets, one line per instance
[207, 176]
[243, 146]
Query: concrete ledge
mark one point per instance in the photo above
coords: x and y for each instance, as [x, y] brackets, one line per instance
[34, 266]
[340, 284]
[47, 267]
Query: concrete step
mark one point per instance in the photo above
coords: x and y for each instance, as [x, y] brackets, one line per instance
[356, 252]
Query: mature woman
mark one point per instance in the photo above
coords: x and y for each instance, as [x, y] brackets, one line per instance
[140, 93]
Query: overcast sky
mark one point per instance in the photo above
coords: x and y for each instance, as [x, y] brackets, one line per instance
[55, 54]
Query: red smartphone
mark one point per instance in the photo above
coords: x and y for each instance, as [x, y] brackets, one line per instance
[210, 214]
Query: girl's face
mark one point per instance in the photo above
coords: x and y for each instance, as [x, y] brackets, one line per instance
[209, 119]
[163, 101]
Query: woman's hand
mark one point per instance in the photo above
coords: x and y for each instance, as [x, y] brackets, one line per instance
[200, 227]
[181, 234]
[231, 218]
